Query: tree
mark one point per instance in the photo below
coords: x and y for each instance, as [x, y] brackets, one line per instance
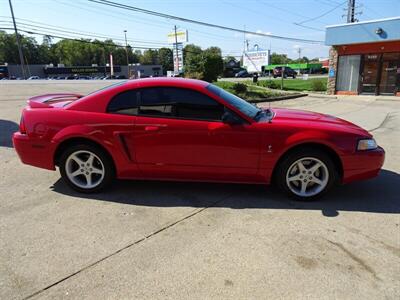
[165, 58]
[149, 57]
[279, 59]
[213, 64]
[206, 65]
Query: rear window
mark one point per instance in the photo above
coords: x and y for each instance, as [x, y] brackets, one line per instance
[108, 87]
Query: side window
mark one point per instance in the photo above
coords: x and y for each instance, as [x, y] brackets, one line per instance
[154, 102]
[179, 103]
[124, 103]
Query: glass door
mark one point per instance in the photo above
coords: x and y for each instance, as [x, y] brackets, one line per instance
[390, 78]
[369, 78]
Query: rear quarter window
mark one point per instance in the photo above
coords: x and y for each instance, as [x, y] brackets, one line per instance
[124, 103]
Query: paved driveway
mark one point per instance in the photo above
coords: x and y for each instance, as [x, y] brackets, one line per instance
[152, 240]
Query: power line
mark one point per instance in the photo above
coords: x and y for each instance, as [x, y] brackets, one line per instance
[322, 15]
[167, 16]
[78, 40]
[75, 32]
[96, 11]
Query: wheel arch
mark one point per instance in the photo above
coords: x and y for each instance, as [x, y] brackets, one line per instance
[76, 141]
[311, 145]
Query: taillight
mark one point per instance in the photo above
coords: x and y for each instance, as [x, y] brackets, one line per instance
[22, 127]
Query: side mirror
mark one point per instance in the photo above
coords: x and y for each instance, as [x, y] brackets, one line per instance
[230, 118]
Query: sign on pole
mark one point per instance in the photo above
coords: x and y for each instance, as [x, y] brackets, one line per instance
[111, 65]
[178, 58]
[181, 37]
[254, 60]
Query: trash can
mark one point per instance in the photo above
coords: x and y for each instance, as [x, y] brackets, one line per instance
[255, 78]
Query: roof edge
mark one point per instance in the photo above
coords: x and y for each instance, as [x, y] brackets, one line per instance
[364, 22]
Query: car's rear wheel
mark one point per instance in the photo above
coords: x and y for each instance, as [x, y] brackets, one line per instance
[86, 168]
[306, 174]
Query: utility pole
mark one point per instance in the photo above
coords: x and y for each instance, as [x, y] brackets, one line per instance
[127, 56]
[299, 51]
[176, 50]
[350, 11]
[21, 56]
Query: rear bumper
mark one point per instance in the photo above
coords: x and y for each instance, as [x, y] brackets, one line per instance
[363, 165]
[34, 153]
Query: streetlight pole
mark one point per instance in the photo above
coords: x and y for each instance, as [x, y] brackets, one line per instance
[21, 56]
[127, 56]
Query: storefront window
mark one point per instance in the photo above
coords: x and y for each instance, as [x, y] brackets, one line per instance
[348, 73]
[390, 78]
[370, 73]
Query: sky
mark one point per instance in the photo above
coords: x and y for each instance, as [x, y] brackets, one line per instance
[78, 17]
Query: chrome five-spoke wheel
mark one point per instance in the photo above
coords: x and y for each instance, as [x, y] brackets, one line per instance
[307, 177]
[85, 169]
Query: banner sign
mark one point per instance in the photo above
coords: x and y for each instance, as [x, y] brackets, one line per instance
[80, 70]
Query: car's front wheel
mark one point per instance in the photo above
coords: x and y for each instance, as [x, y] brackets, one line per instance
[306, 174]
[86, 168]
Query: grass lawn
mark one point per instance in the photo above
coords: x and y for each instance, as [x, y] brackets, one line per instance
[305, 85]
[312, 84]
[252, 92]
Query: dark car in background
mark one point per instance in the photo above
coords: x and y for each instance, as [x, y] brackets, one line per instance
[243, 74]
[288, 72]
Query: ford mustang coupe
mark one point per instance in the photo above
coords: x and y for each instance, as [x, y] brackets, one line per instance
[190, 130]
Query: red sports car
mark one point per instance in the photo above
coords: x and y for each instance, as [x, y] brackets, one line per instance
[190, 130]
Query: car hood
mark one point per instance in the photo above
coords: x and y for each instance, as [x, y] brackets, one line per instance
[313, 119]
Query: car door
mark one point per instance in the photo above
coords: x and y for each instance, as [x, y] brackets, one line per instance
[121, 117]
[179, 134]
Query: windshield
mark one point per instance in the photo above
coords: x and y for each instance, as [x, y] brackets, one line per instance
[242, 105]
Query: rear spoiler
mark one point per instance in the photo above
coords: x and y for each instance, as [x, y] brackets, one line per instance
[44, 101]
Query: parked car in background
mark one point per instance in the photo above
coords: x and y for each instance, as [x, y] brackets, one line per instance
[190, 130]
[243, 74]
[34, 78]
[288, 72]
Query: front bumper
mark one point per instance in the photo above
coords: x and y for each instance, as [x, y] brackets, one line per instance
[363, 165]
[32, 152]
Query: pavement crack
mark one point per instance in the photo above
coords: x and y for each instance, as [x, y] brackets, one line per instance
[355, 258]
[152, 234]
[388, 115]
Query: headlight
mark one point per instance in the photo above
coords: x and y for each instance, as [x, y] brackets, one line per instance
[366, 144]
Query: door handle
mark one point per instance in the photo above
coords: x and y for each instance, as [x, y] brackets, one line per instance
[151, 128]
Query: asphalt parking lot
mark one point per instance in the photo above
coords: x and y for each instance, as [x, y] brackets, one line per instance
[153, 240]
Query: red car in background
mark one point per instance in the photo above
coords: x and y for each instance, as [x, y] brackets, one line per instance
[190, 130]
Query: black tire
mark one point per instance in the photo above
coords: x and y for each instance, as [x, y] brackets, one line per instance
[288, 161]
[107, 164]
[294, 76]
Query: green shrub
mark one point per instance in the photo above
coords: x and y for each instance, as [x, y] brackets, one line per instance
[318, 86]
[274, 85]
[239, 88]
[269, 84]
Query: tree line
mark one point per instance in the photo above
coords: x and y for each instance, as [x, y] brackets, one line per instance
[205, 64]
[202, 64]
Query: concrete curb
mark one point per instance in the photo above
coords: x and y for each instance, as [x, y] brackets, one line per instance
[272, 99]
[323, 96]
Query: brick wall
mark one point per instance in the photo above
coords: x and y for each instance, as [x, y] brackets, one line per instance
[333, 61]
